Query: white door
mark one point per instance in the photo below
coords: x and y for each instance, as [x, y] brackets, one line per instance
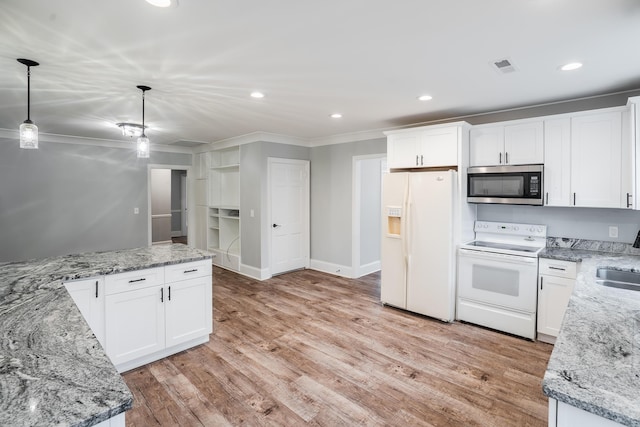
[289, 214]
[393, 281]
[188, 310]
[430, 279]
[135, 324]
[596, 159]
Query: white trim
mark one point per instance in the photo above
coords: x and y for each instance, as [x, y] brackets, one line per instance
[191, 208]
[372, 267]
[255, 273]
[96, 142]
[331, 268]
[356, 199]
[306, 201]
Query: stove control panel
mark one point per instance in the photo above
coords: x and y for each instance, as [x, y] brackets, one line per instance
[511, 229]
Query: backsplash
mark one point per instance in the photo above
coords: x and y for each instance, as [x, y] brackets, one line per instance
[592, 245]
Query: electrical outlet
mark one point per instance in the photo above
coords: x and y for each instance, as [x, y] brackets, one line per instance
[613, 231]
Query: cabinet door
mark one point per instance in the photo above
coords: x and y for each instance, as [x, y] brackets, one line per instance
[524, 144]
[135, 324]
[596, 142]
[557, 162]
[402, 150]
[486, 146]
[553, 297]
[188, 310]
[89, 297]
[439, 147]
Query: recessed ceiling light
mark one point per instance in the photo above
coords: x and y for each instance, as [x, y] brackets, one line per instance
[257, 95]
[336, 116]
[160, 3]
[425, 98]
[571, 66]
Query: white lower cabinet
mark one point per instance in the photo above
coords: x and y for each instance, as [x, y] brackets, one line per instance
[564, 415]
[88, 294]
[556, 280]
[147, 320]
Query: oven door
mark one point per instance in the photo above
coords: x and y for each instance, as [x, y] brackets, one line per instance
[508, 281]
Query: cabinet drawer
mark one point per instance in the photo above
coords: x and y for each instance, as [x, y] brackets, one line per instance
[132, 280]
[187, 270]
[558, 268]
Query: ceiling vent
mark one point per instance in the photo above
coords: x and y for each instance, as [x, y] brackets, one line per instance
[503, 66]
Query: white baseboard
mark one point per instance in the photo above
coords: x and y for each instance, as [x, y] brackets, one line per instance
[255, 273]
[327, 267]
[367, 269]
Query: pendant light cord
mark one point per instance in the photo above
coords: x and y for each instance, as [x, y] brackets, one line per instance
[28, 94]
[143, 114]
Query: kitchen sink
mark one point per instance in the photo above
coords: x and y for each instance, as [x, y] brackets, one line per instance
[618, 279]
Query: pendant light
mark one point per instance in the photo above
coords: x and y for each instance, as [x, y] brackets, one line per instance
[143, 141]
[28, 129]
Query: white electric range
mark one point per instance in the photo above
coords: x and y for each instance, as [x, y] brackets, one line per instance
[498, 276]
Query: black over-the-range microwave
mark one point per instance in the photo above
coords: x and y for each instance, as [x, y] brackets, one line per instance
[511, 185]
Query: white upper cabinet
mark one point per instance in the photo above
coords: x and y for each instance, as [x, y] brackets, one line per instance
[423, 147]
[596, 159]
[514, 144]
[557, 162]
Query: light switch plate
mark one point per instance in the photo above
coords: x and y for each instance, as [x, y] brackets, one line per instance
[613, 231]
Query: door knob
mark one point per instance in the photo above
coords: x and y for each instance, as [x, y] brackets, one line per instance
[277, 225]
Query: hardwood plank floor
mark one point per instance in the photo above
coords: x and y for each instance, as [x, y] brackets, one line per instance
[308, 348]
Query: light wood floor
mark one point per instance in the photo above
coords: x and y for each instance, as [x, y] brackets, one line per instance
[307, 348]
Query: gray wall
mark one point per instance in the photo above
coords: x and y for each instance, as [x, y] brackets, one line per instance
[70, 198]
[331, 198]
[370, 211]
[253, 196]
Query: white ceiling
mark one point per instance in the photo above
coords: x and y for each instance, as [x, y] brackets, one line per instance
[367, 59]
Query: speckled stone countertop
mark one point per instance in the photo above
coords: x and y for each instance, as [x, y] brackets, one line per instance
[53, 371]
[595, 364]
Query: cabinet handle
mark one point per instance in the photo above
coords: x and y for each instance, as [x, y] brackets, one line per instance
[546, 202]
[169, 293]
[557, 268]
[541, 279]
[417, 160]
[574, 199]
[138, 280]
[191, 271]
[421, 160]
[161, 294]
[628, 196]
[96, 289]
[500, 158]
[506, 158]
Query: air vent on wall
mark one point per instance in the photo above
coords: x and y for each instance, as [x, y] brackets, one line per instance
[503, 66]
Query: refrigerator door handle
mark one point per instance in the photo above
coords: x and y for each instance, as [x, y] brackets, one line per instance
[407, 221]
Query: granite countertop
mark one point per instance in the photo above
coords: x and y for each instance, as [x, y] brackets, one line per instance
[53, 371]
[595, 364]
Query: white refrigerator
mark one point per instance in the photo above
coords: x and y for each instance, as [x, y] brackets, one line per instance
[418, 242]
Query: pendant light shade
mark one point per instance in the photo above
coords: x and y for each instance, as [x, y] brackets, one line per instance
[143, 141]
[28, 129]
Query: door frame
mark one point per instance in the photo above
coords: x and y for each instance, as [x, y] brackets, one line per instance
[307, 202]
[356, 202]
[190, 199]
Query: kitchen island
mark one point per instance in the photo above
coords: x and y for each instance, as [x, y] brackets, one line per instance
[53, 371]
[595, 364]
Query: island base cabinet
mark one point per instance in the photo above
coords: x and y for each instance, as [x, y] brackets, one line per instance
[564, 415]
[188, 310]
[117, 421]
[135, 324]
[88, 294]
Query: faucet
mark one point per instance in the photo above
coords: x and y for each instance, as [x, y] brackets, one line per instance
[636, 244]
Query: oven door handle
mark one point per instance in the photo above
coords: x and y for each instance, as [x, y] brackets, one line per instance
[470, 253]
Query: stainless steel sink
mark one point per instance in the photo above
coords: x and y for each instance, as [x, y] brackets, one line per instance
[618, 279]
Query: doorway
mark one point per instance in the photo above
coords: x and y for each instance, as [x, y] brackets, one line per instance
[168, 194]
[288, 199]
[366, 208]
